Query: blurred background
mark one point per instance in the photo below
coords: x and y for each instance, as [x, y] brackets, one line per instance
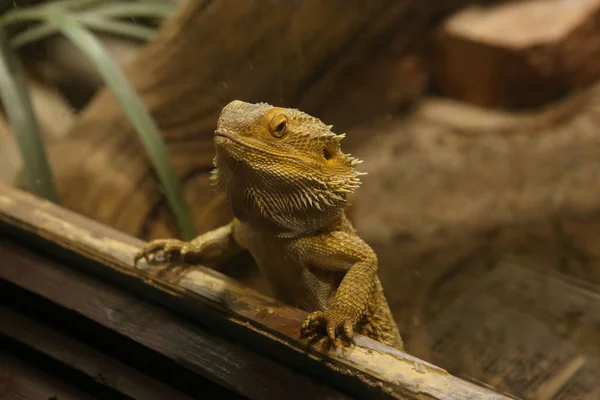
[479, 124]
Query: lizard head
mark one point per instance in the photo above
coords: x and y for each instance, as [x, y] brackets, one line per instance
[282, 161]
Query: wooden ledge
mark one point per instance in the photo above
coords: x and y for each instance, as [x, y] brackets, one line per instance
[370, 370]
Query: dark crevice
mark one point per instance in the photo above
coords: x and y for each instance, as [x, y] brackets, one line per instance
[109, 342]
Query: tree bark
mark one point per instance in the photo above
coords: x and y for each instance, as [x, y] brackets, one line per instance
[300, 54]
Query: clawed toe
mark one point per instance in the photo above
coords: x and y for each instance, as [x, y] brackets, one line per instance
[338, 328]
[168, 248]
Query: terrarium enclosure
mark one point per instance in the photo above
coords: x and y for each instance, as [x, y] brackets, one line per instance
[478, 123]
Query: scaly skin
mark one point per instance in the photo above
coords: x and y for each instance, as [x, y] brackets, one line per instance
[287, 182]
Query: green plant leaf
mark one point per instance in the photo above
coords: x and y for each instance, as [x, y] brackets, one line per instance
[139, 9]
[98, 15]
[116, 27]
[23, 122]
[37, 13]
[136, 112]
[32, 35]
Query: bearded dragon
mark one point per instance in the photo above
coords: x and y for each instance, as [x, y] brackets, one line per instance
[287, 182]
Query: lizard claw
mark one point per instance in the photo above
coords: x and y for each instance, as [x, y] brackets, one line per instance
[333, 321]
[169, 248]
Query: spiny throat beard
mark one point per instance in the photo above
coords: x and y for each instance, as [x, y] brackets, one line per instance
[294, 180]
[293, 199]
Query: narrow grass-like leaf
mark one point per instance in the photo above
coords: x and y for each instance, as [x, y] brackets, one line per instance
[137, 114]
[32, 35]
[140, 9]
[116, 27]
[38, 13]
[23, 122]
[18, 16]
[121, 28]
[74, 4]
[97, 15]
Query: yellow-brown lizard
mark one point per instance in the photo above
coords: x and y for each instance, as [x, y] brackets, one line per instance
[287, 182]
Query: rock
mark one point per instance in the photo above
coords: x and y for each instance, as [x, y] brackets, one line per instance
[518, 54]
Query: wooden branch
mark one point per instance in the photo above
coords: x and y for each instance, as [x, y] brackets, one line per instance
[510, 56]
[301, 54]
[369, 370]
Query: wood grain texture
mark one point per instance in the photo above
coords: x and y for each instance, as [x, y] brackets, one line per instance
[302, 53]
[78, 356]
[370, 370]
[20, 381]
[189, 358]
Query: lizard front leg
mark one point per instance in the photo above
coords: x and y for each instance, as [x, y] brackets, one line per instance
[344, 252]
[211, 247]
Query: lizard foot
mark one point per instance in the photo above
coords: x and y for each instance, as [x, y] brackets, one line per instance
[333, 321]
[169, 248]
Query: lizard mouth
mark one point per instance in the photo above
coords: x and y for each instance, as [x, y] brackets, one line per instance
[226, 135]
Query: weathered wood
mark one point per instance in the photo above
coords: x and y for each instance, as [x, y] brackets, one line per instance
[368, 370]
[19, 381]
[187, 355]
[301, 54]
[76, 355]
[510, 56]
[533, 334]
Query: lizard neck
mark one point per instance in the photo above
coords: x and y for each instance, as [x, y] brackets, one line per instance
[274, 205]
[267, 211]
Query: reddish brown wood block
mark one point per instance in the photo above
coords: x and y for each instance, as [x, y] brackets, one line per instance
[518, 54]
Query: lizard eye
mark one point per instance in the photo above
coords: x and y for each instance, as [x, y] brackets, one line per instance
[278, 126]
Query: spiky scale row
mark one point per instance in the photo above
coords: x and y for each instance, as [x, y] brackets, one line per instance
[300, 191]
[288, 191]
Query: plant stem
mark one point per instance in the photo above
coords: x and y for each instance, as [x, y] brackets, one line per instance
[158, 9]
[23, 122]
[33, 34]
[136, 111]
[116, 27]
